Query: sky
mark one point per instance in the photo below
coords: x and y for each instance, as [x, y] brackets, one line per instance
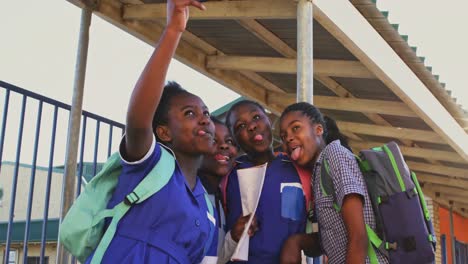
[39, 39]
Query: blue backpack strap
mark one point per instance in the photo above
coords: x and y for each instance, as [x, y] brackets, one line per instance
[210, 207]
[158, 177]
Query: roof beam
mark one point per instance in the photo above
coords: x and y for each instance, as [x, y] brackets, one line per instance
[351, 29]
[391, 132]
[454, 191]
[438, 169]
[443, 180]
[424, 153]
[188, 53]
[345, 104]
[268, 37]
[458, 208]
[336, 68]
[236, 9]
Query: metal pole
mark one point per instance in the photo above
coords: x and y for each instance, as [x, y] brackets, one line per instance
[68, 190]
[305, 51]
[452, 237]
[305, 54]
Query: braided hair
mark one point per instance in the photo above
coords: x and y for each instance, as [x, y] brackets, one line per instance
[310, 111]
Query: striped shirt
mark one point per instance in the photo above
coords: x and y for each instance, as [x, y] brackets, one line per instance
[347, 179]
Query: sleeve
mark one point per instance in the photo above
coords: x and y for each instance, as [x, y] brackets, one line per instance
[227, 249]
[148, 154]
[346, 175]
[233, 201]
[212, 254]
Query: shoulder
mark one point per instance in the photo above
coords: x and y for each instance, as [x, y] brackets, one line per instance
[335, 149]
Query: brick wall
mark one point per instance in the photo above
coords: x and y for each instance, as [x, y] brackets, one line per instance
[433, 208]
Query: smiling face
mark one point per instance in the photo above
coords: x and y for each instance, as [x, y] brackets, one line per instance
[302, 139]
[251, 128]
[189, 129]
[221, 161]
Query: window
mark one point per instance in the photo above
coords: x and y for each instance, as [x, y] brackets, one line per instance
[37, 260]
[443, 248]
[13, 256]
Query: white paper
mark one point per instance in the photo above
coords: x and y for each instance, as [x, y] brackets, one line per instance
[250, 185]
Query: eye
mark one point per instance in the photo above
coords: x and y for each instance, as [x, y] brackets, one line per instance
[256, 117]
[241, 126]
[206, 113]
[230, 142]
[189, 113]
[295, 128]
[283, 137]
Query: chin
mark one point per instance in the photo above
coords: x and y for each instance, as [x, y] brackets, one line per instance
[222, 172]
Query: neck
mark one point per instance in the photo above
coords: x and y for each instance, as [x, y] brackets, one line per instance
[189, 166]
[314, 160]
[210, 181]
[261, 158]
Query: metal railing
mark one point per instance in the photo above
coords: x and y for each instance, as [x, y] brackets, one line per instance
[59, 109]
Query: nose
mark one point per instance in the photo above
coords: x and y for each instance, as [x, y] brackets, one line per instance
[252, 126]
[204, 120]
[224, 146]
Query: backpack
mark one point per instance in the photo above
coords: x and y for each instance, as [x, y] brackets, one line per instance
[83, 230]
[404, 231]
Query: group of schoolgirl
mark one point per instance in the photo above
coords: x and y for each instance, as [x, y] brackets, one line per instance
[178, 225]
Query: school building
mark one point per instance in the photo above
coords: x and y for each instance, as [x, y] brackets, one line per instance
[42, 199]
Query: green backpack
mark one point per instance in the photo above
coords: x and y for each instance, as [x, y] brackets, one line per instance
[83, 232]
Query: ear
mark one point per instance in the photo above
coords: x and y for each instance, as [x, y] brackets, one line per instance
[319, 129]
[164, 133]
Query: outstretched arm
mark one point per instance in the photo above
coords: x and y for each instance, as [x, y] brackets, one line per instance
[147, 92]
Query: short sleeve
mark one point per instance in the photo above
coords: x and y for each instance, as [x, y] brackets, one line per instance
[146, 157]
[346, 175]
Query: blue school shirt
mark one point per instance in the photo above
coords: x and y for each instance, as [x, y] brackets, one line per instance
[172, 226]
[281, 211]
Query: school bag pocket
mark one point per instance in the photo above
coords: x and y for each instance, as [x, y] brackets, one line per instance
[405, 229]
[292, 201]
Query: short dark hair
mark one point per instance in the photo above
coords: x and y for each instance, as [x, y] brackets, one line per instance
[310, 111]
[237, 105]
[161, 117]
[333, 133]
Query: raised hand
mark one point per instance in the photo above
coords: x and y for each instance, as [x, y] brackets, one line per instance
[178, 13]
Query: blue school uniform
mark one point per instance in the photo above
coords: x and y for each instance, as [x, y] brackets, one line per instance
[281, 211]
[172, 226]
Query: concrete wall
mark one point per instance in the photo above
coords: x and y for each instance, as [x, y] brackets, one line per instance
[34, 250]
[22, 192]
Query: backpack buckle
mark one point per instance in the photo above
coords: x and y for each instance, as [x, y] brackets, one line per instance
[131, 199]
[391, 246]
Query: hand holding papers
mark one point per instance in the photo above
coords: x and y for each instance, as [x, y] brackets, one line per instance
[250, 185]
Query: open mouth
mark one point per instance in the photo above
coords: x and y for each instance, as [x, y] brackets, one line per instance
[204, 133]
[296, 152]
[222, 159]
[258, 138]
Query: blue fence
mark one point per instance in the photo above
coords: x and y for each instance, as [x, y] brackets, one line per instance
[59, 113]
